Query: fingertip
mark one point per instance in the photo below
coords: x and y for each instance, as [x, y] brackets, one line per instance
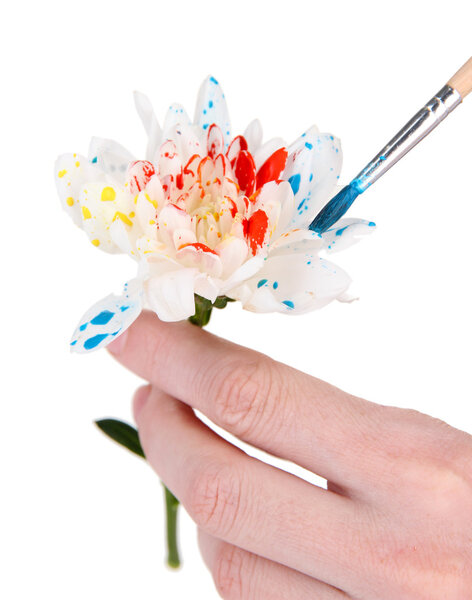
[140, 399]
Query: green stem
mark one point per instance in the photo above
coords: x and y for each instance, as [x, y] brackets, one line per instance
[172, 505]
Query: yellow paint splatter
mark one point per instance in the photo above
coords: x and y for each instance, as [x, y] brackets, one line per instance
[108, 194]
[62, 173]
[132, 214]
[77, 164]
[153, 202]
[152, 222]
[96, 242]
[123, 217]
[86, 213]
[70, 201]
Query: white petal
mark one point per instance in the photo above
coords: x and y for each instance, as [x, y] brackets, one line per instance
[207, 287]
[296, 240]
[146, 211]
[211, 108]
[253, 135]
[170, 219]
[71, 172]
[245, 271]
[112, 158]
[101, 205]
[150, 123]
[171, 295]
[318, 162]
[107, 319]
[276, 199]
[176, 115]
[206, 261]
[233, 252]
[295, 284]
[345, 233]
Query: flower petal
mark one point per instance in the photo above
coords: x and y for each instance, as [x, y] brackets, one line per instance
[71, 171]
[107, 319]
[101, 205]
[201, 257]
[233, 252]
[313, 171]
[294, 284]
[245, 172]
[150, 123]
[345, 233]
[266, 150]
[171, 295]
[112, 158]
[211, 108]
[253, 135]
[215, 141]
[176, 115]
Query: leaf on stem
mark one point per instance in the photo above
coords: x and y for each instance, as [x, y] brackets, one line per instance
[122, 433]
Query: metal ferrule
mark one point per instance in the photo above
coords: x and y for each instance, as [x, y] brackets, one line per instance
[437, 109]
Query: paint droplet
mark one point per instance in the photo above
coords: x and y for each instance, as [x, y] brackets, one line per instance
[288, 303]
[62, 173]
[94, 341]
[275, 285]
[261, 283]
[123, 217]
[70, 201]
[83, 327]
[294, 181]
[86, 213]
[108, 194]
[103, 318]
[308, 145]
[94, 159]
[96, 242]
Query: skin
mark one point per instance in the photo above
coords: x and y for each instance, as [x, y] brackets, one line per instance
[395, 522]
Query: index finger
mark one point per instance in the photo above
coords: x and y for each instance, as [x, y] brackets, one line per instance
[268, 404]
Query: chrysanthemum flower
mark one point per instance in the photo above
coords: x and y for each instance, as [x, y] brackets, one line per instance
[207, 214]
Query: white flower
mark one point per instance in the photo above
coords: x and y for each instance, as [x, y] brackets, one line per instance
[207, 214]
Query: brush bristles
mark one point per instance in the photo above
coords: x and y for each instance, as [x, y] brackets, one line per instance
[335, 209]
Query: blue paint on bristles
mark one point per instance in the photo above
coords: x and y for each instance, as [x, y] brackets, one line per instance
[336, 207]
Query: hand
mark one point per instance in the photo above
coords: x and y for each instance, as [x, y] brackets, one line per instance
[395, 522]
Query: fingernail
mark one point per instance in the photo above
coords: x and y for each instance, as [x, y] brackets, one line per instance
[140, 398]
[117, 345]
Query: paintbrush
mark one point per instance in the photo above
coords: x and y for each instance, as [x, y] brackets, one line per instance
[437, 109]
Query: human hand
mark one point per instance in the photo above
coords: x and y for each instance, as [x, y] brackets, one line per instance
[395, 522]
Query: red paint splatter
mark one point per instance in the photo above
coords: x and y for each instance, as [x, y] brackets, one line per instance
[233, 208]
[237, 145]
[245, 171]
[255, 229]
[199, 247]
[272, 168]
[139, 174]
[215, 141]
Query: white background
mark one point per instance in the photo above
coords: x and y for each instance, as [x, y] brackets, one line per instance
[79, 516]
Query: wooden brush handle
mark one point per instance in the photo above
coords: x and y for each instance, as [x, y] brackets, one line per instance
[462, 80]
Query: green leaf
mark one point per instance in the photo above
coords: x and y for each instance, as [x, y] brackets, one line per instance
[122, 433]
[222, 301]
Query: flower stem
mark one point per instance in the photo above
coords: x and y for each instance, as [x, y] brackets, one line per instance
[172, 505]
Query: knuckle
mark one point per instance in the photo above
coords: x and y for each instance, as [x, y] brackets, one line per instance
[244, 395]
[228, 572]
[214, 498]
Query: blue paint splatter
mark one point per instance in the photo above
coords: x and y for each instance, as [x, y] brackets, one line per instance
[123, 308]
[83, 327]
[261, 283]
[210, 104]
[204, 111]
[331, 137]
[371, 224]
[73, 343]
[94, 159]
[213, 80]
[205, 126]
[93, 342]
[103, 318]
[308, 145]
[294, 181]
[288, 303]
[301, 204]
[311, 177]
[275, 285]
[342, 230]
